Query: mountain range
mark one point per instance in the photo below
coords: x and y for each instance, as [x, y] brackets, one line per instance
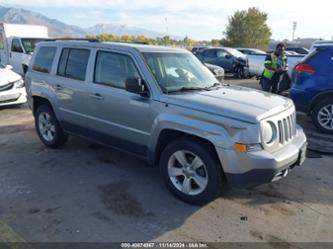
[61, 29]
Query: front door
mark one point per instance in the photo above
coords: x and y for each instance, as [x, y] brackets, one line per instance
[120, 118]
[224, 59]
[16, 55]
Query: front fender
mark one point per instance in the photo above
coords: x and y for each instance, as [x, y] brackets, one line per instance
[213, 132]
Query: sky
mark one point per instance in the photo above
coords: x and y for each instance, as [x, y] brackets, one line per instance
[205, 19]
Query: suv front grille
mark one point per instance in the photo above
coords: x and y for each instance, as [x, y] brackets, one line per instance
[287, 128]
[6, 87]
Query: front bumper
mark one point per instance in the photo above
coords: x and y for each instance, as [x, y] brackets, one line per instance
[250, 169]
[14, 96]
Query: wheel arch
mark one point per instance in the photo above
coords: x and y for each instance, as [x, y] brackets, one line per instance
[318, 98]
[169, 135]
[38, 101]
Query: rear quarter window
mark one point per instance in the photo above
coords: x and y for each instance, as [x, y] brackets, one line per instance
[44, 59]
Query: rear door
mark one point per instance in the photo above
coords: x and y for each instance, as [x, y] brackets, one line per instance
[209, 56]
[70, 86]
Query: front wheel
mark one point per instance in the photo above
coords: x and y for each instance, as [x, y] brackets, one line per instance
[191, 172]
[239, 72]
[322, 115]
[48, 127]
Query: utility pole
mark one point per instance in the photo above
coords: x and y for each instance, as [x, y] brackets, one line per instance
[294, 30]
[167, 31]
[166, 26]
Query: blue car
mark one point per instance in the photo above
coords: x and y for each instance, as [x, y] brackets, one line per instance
[312, 88]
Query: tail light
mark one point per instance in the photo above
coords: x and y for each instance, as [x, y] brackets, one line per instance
[304, 68]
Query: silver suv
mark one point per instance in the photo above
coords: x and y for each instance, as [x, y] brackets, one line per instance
[163, 105]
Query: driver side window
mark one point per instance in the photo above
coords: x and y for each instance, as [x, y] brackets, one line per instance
[16, 46]
[221, 54]
[113, 69]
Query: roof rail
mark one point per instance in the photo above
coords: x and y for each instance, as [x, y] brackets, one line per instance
[75, 39]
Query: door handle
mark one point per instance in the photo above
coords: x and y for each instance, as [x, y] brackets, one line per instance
[96, 96]
[58, 87]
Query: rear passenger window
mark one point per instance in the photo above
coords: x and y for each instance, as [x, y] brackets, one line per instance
[210, 53]
[73, 63]
[113, 69]
[44, 59]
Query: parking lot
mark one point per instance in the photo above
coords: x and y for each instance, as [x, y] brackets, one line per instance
[87, 192]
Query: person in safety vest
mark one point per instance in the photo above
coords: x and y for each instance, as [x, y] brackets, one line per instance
[276, 66]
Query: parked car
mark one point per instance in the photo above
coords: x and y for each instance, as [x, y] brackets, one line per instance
[230, 59]
[198, 49]
[256, 63]
[250, 51]
[299, 50]
[17, 43]
[217, 71]
[312, 89]
[163, 105]
[12, 91]
[320, 42]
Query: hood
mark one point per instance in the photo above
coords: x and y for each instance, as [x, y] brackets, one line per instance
[8, 76]
[215, 69]
[239, 103]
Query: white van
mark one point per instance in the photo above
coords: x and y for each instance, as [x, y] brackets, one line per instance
[17, 42]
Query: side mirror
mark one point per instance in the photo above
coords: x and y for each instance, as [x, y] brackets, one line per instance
[10, 67]
[135, 85]
[227, 56]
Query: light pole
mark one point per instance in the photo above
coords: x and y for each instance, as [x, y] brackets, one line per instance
[294, 30]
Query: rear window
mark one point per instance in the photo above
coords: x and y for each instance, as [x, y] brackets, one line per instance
[44, 59]
[73, 63]
[309, 56]
[320, 58]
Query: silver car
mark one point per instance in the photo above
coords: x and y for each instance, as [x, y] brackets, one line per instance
[163, 105]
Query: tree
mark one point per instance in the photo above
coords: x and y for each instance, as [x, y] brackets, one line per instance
[188, 42]
[215, 42]
[248, 28]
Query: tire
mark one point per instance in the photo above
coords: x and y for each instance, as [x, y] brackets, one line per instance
[239, 72]
[322, 112]
[209, 175]
[48, 127]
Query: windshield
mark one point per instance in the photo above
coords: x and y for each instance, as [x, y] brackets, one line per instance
[235, 52]
[29, 44]
[2, 66]
[179, 72]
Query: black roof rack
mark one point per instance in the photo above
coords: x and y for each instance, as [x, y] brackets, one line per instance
[75, 39]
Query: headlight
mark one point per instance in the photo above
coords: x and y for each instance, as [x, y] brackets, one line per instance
[268, 131]
[19, 83]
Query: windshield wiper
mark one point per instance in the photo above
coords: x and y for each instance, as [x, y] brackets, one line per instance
[185, 89]
[215, 85]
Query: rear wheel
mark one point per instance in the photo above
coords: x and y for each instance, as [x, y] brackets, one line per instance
[322, 115]
[48, 127]
[191, 172]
